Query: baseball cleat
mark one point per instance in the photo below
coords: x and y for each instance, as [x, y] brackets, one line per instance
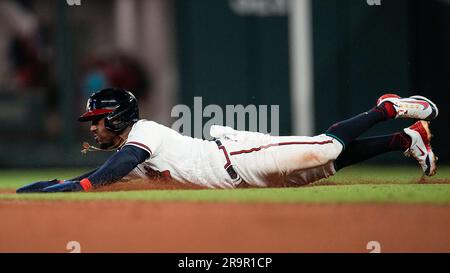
[415, 107]
[420, 148]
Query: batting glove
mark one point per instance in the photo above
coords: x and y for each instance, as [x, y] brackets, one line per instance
[37, 186]
[70, 186]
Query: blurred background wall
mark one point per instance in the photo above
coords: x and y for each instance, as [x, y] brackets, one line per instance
[229, 52]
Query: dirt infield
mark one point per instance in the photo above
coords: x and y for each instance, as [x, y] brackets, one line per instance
[112, 226]
[147, 184]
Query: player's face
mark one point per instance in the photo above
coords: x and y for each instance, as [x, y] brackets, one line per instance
[102, 136]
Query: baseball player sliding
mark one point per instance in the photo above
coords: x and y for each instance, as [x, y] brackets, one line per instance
[237, 158]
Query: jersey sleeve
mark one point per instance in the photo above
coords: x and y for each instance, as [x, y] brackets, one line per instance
[118, 165]
[146, 135]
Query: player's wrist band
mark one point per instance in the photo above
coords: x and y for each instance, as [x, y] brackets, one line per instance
[86, 184]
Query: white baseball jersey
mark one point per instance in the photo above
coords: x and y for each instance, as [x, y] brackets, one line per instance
[259, 159]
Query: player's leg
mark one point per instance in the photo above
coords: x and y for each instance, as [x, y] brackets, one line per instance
[363, 149]
[262, 161]
[388, 107]
[414, 141]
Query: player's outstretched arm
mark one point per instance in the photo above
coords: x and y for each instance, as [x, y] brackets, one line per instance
[37, 186]
[78, 178]
[40, 185]
[116, 167]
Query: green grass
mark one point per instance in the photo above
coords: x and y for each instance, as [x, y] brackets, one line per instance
[437, 194]
[12, 179]
[362, 184]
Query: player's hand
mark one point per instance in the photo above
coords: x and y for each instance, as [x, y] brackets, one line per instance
[37, 186]
[66, 186]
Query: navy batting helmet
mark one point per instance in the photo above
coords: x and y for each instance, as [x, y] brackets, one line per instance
[118, 106]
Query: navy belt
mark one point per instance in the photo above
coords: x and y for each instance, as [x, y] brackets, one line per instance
[228, 167]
